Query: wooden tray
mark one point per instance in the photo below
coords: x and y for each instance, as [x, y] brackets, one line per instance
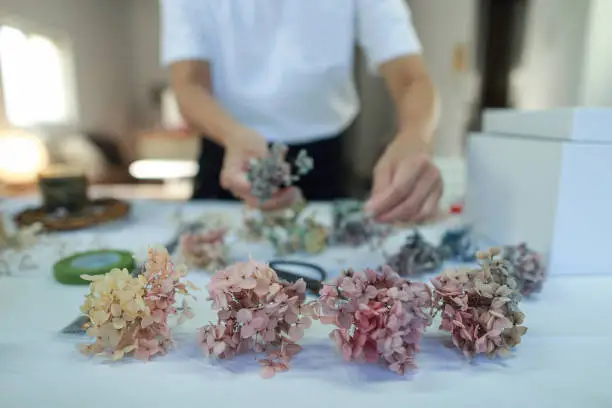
[98, 211]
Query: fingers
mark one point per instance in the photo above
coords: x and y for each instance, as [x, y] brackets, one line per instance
[427, 191]
[383, 174]
[430, 206]
[234, 179]
[398, 189]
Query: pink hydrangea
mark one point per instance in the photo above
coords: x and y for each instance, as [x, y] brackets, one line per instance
[379, 316]
[479, 307]
[256, 312]
[204, 249]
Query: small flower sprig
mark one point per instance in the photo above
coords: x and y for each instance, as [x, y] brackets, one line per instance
[527, 267]
[22, 238]
[352, 226]
[204, 249]
[379, 316]
[129, 315]
[256, 312]
[289, 230]
[479, 307]
[269, 174]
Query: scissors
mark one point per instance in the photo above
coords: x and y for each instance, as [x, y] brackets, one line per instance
[291, 271]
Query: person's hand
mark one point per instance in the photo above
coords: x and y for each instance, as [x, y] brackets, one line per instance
[407, 185]
[240, 147]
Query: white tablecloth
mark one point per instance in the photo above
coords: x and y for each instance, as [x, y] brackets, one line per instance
[564, 360]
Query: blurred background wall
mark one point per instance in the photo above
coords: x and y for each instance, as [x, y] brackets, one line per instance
[528, 54]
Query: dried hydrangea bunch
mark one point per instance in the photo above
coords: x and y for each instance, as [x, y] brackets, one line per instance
[289, 230]
[379, 316]
[267, 175]
[256, 312]
[205, 248]
[456, 245]
[305, 235]
[129, 315]
[352, 226]
[527, 267]
[253, 222]
[415, 256]
[480, 307]
[257, 222]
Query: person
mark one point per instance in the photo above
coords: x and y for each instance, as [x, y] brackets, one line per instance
[250, 72]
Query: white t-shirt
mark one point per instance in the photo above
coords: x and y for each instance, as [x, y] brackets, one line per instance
[285, 67]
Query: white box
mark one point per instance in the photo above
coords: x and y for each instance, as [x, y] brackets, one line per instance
[544, 177]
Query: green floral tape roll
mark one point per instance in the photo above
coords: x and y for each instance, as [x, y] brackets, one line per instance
[69, 270]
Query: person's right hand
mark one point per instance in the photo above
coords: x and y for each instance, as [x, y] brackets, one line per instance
[239, 149]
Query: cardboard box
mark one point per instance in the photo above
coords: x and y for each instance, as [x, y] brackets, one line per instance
[545, 178]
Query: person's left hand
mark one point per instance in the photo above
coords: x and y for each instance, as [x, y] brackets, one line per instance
[407, 185]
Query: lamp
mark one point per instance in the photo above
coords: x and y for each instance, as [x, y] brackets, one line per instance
[22, 156]
[163, 169]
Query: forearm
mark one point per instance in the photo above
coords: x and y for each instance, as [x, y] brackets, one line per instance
[204, 113]
[417, 109]
[414, 97]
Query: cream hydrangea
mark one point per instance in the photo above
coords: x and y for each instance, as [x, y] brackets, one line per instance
[129, 314]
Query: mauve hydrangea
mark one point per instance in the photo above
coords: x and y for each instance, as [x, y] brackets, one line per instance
[256, 312]
[479, 307]
[129, 315]
[269, 174]
[527, 266]
[379, 316]
[204, 249]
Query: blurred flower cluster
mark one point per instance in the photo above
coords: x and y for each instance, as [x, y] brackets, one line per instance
[480, 307]
[352, 226]
[205, 248]
[256, 312]
[458, 246]
[288, 230]
[415, 256]
[22, 238]
[379, 316]
[527, 267]
[129, 315]
[267, 175]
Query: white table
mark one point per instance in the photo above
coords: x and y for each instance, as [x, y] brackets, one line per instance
[564, 360]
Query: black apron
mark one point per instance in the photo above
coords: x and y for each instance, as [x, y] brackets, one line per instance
[326, 181]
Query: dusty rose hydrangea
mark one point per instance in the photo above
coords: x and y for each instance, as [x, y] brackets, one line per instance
[205, 249]
[527, 266]
[129, 315]
[256, 312]
[379, 316]
[479, 307]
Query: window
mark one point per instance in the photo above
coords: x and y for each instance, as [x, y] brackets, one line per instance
[34, 79]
